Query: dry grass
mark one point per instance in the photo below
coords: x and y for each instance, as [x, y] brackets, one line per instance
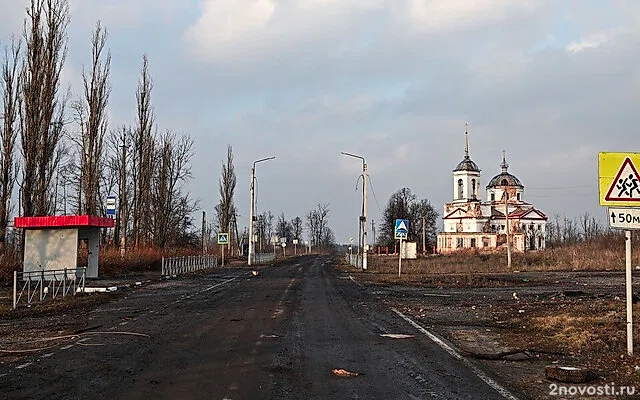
[585, 329]
[9, 262]
[592, 332]
[604, 254]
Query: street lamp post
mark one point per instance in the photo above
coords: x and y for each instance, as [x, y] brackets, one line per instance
[251, 206]
[363, 217]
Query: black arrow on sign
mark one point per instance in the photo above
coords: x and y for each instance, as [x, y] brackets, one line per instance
[613, 217]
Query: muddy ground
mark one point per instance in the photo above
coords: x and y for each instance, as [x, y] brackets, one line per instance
[514, 324]
[518, 323]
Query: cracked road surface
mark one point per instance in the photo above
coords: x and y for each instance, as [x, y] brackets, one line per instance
[231, 335]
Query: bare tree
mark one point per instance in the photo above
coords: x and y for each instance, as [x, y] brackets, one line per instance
[143, 144]
[403, 204]
[168, 202]
[91, 115]
[591, 228]
[42, 111]
[226, 209]
[284, 228]
[261, 230]
[268, 224]
[296, 226]
[11, 102]
[318, 224]
[422, 212]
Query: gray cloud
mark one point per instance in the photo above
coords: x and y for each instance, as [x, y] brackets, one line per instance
[552, 83]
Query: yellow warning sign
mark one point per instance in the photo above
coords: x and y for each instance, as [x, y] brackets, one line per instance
[619, 180]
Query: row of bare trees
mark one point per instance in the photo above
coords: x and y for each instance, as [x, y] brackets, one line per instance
[320, 233]
[266, 224]
[73, 166]
[317, 224]
[562, 230]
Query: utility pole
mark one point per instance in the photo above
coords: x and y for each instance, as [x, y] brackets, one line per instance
[363, 217]
[260, 230]
[506, 216]
[204, 227]
[252, 206]
[123, 195]
[373, 229]
[424, 238]
[251, 189]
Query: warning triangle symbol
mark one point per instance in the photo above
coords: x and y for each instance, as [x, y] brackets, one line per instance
[402, 227]
[626, 185]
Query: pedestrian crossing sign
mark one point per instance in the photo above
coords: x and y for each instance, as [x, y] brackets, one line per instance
[619, 180]
[401, 230]
[223, 238]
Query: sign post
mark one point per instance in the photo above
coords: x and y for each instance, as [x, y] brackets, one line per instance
[400, 232]
[223, 240]
[295, 247]
[619, 184]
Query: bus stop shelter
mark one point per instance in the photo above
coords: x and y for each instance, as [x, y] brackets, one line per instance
[51, 243]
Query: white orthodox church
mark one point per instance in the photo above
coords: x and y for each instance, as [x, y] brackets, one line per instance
[470, 222]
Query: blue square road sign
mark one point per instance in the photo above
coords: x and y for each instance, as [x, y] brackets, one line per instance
[401, 230]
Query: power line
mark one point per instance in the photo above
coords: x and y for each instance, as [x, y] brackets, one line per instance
[374, 194]
[559, 187]
[546, 195]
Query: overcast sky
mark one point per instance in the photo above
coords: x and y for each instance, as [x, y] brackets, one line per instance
[551, 82]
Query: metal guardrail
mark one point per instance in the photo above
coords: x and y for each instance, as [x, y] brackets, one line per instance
[47, 284]
[263, 258]
[180, 265]
[355, 260]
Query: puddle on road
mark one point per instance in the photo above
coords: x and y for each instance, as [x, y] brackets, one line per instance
[397, 336]
[270, 336]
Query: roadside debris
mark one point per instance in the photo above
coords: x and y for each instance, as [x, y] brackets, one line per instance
[255, 273]
[567, 374]
[344, 373]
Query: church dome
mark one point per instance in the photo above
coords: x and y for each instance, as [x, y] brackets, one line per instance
[467, 165]
[504, 178]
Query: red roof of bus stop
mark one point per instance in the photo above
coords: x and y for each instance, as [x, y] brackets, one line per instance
[64, 221]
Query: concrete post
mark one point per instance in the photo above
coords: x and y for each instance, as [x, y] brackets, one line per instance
[251, 206]
[629, 292]
[15, 288]
[364, 214]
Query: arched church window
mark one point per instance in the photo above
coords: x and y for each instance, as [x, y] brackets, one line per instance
[493, 196]
[473, 188]
[504, 182]
[460, 187]
[518, 196]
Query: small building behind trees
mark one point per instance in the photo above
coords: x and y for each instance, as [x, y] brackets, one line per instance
[471, 223]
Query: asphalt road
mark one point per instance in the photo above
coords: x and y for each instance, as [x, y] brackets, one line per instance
[232, 335]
